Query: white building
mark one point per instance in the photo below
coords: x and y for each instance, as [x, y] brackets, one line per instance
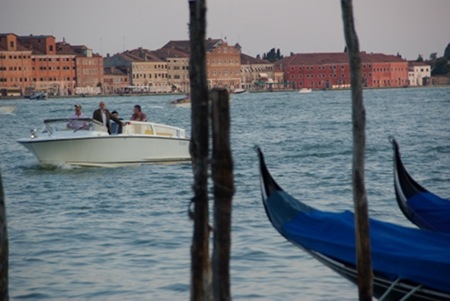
[419, 74]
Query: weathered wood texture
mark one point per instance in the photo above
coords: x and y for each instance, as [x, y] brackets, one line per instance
[200, 260]
[364, 261]
[222, 176]
[3, 246]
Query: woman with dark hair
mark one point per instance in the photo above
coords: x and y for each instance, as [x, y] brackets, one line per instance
[138, 115]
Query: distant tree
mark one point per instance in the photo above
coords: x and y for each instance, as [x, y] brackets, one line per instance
[273, 55]
[345, 49]
[419, 58]
[258, 57]
[291, 53]
[440, 67]
[433, 56]
[447, 52]
[399, 55]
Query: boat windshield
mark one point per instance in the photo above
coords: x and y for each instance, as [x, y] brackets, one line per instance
[75, 125]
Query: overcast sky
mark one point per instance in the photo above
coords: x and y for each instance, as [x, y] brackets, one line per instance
[409, 27]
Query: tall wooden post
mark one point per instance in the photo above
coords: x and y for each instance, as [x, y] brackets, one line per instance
[222, 176]
[3, 247]
[200, 261]
[364, 261]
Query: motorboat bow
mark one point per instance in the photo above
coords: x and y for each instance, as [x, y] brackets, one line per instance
[86, 142]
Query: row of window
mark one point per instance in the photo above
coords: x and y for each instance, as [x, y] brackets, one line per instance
[224, 61]
[34, 59]
[148, 67]
[343, 67]
[144, 75]
[16, 80]
[224, 72]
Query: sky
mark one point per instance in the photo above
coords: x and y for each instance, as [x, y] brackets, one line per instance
[408, 27]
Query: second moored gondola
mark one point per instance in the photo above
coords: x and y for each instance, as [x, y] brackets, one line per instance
[421, 207]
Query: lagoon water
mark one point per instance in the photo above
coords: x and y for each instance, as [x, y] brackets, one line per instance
[124, 233]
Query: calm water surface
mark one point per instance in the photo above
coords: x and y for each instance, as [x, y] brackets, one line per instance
[123, 233]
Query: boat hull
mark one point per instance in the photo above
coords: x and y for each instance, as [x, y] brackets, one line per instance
[108, 150]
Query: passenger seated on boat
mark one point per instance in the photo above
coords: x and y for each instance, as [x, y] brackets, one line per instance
[115, 127]
[77, 124]
[138, 115]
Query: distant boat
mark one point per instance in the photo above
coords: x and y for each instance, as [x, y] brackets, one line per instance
[305, 90]
[7, 109]
[421, 207]
[86, 142]
[38, 95]
[184, 102]
[408, 264]
[239, 91]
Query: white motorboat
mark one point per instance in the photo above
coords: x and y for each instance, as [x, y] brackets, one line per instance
[7, 109]
[184, 102]
[86, 142]
[305, 90]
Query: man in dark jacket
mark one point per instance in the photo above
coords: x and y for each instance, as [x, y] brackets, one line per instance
[102, 115]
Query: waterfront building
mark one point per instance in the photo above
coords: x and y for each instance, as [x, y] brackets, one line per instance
[88, 68]
[419, 74]
[30, 63]
[256, 74]
[148, 73]
[177, 68]
[16, 69]
[222, 62]
[332, 71]
[115, 80]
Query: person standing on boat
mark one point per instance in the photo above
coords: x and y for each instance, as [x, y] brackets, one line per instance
[102, 115]
[138, 115]
[77, 114]
[115, 127]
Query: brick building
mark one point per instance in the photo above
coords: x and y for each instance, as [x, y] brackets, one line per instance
[222, 62]
[331, 70]
[29, 63]
[88, 68]
[53, 72]
[16, 68]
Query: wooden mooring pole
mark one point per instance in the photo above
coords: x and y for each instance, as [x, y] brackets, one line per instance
[3, 246]
[222, 176]
[363, 253]
[200, 261]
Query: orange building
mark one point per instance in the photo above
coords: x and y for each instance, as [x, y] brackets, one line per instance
[88, 68]
[16, 69]
[29, 63]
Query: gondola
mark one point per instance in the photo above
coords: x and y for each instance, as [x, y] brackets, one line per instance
[421, 207]
[408, 264]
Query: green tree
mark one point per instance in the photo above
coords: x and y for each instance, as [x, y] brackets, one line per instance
[440, 67]
[419, 58]
[447, 52]
[433, 56]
